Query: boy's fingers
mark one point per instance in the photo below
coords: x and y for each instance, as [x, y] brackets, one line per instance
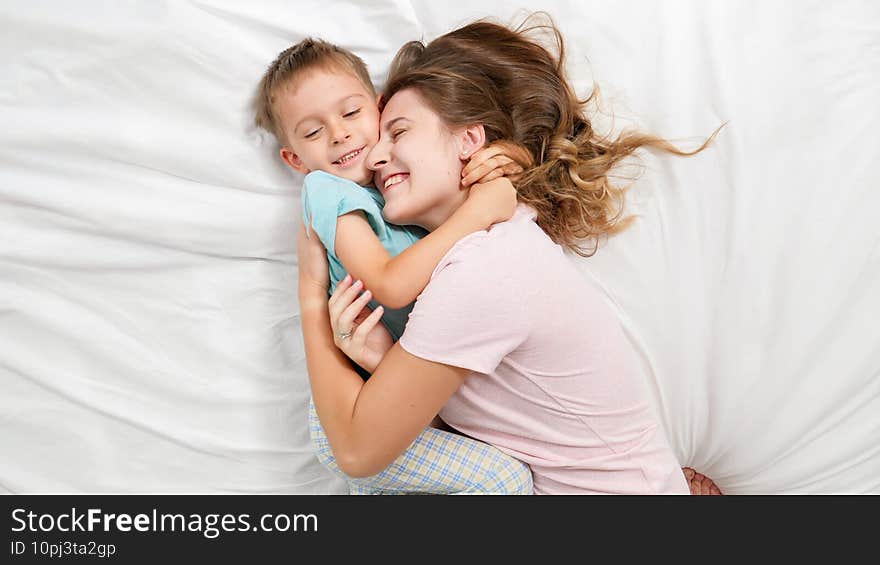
[512, 168]
[495, 165]
[492, 175]
[476, 174]
[480, 161]
[479, 158]
[468, 171]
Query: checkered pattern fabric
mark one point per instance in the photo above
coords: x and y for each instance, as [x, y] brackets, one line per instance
[437, 462]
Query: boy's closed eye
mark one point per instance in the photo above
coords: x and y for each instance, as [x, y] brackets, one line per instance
[312, 134]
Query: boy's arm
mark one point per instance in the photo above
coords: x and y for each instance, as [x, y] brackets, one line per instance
[397, 281]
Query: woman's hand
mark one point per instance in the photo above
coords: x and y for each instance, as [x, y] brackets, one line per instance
[356, 329]
[499, 159]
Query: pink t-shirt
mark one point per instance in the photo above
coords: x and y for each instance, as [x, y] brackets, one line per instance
[554, 380]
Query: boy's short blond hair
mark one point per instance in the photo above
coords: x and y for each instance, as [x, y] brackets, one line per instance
[309, 53]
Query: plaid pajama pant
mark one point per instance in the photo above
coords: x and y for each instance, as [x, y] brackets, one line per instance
[437, 462]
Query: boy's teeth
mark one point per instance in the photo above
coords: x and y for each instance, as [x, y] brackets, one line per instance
[349, 156]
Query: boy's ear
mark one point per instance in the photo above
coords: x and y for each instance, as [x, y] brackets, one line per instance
[293, 161]
[471, 139]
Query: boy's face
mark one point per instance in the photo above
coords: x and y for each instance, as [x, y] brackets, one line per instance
[330, 121]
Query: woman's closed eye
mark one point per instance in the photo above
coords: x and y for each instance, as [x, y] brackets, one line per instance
[397, 133]
[353, 113]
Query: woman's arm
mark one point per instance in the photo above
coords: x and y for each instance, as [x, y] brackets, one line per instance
[368, 424]
[397, 281]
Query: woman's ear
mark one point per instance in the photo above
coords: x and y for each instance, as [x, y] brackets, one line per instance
[293, 161]
[471, 139]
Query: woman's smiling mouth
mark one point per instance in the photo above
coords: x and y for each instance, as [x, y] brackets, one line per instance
[393, 180]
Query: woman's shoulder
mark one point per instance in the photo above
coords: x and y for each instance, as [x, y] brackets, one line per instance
[506, 247]
[517, 237]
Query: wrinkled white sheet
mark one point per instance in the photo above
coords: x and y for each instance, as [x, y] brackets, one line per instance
[149, 338]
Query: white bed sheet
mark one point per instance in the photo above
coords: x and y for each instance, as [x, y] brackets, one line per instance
[148, 316]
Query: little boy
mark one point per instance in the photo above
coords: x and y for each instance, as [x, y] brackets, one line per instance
[319, 102]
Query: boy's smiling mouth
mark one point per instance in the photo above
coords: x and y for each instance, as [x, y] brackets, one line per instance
[349, 158]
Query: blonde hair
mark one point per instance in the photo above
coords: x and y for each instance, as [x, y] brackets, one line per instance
[308, 54]
[496, 76]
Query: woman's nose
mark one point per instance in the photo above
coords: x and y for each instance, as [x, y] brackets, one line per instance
[377, 157]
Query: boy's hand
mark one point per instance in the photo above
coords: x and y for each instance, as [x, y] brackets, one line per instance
[492, 202]
[499, 159]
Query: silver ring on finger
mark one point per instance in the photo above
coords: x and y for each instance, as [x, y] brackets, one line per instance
[344, 335]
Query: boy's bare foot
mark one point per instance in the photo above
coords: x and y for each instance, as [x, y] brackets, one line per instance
[700, 483]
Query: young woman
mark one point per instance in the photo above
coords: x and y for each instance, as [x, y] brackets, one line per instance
[507, 342]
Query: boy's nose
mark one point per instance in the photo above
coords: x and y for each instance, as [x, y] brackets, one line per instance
[339, 134]
[341, 137]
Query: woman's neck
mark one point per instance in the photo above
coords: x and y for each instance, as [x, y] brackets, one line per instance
[442, 212]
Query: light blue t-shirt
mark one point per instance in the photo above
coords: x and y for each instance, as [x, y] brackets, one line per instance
[325, 197]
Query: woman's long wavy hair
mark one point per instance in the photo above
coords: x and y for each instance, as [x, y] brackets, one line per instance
[496, 76]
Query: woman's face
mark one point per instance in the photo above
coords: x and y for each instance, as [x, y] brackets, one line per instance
[417, 163]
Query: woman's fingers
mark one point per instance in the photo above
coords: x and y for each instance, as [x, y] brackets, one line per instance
[345, 308]
[340, 288]
[358, 348]
[363, 330]
[341, 298]
[344, 294]
[362, 315]
[345, 323]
